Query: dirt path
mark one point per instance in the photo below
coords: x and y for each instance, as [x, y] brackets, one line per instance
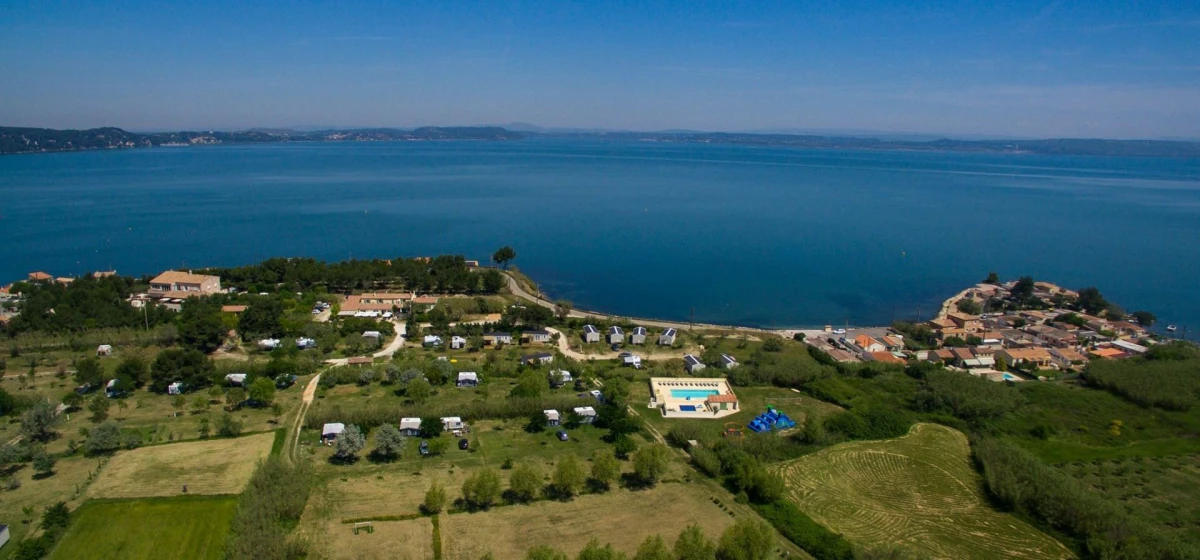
[310, 393]
[386, 352]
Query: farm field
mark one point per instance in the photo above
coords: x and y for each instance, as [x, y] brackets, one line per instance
[158, 528]
[68, 484]
[1163, 491]
[217, 466]
[618, 517]
[411, 539]
[917, 491]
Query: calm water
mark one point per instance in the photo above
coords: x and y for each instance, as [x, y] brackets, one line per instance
[753, 236]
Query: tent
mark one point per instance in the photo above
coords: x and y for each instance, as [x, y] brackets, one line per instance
[771, 420]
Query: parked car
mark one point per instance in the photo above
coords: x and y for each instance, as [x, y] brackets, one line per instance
[424, 447]
[463, 444]
[562, 435]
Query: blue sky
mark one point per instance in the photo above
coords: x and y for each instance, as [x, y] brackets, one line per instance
[1027, 69]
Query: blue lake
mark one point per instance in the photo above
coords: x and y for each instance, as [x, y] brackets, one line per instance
[744, 235]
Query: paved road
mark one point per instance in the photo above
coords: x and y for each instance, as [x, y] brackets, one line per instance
[564, 346]
[520, 292]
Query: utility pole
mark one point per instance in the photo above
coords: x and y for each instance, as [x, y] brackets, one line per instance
[918, 314]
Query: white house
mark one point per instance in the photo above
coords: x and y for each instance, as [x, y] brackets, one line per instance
[667, 338]
[175, 388]
[552, 417]
[587, 414]
[615, 335]
[692, 364]
[372, 334]
[431, 340]
[728, 362]
[3, 535]
[304, 342]
[271, 343]
[590, 334]
[410, 426]
[332, 430]
[457, 343]
[495, 338]
[452, 424]
[638, 336]
[540, 336]
[631, 360]
[236, 379]
[1130, 347]
[538, 358]
[468, 379]
[104, 350]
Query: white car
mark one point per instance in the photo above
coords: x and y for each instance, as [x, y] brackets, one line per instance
[839, 331]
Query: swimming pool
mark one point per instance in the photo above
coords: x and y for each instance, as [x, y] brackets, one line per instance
[687, 408]
[1011, 377]
[693, 393]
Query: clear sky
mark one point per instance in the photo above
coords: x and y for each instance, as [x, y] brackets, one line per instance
[1092, 68]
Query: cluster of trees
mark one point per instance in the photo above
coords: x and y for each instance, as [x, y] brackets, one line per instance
[272, 502]
[85, 304]
[743, 473]
[440, 274]
[1168, 378]
[973, 399]
[54, 521]
[746, 539]
[1020, 482]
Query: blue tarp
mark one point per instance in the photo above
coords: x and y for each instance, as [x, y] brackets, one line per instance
[771, 420]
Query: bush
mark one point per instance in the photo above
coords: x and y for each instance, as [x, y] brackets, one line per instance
[435, 499]
[651, 462]
[809, 535]
[104, 438]
[228, 426]
[272, 502]
[481, 489]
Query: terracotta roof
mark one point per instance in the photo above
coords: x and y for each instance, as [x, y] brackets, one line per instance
[180, 277]
[722, 398]
[1107, 353]
[233, 308]
[1036, 354]
[864, 341]
[963, 353]
[425, 300]
[1069, 354]
[39, 276]
[944, 353]
[893, 341]
[886, 357]
[943, 323]
[64, 280]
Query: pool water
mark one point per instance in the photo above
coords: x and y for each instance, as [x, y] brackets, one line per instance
[687, 408]
[693, 393]
[1011, 377]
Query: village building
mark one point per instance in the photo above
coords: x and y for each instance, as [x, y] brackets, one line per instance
[457, 342]
[638, 336]
[467, 379]
[692, 364]
[884, 357]
[540, 336]
[615, 335]
[235, 309]
[104, 350]
[590, 334]
[552, 417]
[667, 338]
[410, 427]
[331, 431]
[1067, 358]
[537, 358]
[497, 338]
[379, 302]
[728, 362]
[1037, 357]
[431, 340]
[179, 284]
[559, 377]
[587, 414]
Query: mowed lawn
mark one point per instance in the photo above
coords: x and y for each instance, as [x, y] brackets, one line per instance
[918, 491]
[155, 528]
[215, 466]
[621, 517]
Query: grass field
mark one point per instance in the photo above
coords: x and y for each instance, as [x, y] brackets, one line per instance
[620, 517]
[70, 476]
[918, 491]
[160, 529]
[1164, 491]
[217, 466]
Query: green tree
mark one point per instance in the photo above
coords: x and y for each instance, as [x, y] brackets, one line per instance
[569, 477]
[235, 396]
[653, 548]
[747, 539]
[99, 408]
[969, 306]
[435, 499]
[43, 463]
[103, 439]
[481, 489]
[431, 427]
[263, 318]
[624, 446]
[228, 426]
[531, 385]
[135, 368]
[693, 545]
[605, 468]
[562, 309]
[545, 552]
[1022, 291]
[37, 423]
[73, 400]
[178, 403]
[200, 403]
[349, 443]
[593, 551]
[56, 516]
[524, 483]
[88, 371]
[503, 256]
[191, 367]
[1091, 301]
[418, 390]
[437, 445]
[651, 462]
[992, 278]
[389, 442]
[262, 391]
[200, 325]
[1145, 318]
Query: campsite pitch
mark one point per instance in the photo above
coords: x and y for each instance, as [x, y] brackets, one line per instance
[216, 466]
[156, 528]
[918, 491]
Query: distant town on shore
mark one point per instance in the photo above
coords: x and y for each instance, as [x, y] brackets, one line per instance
[17, 140]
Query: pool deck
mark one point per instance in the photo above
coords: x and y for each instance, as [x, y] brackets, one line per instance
[671, 406]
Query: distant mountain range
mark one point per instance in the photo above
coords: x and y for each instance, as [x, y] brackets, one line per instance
[33, 140]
